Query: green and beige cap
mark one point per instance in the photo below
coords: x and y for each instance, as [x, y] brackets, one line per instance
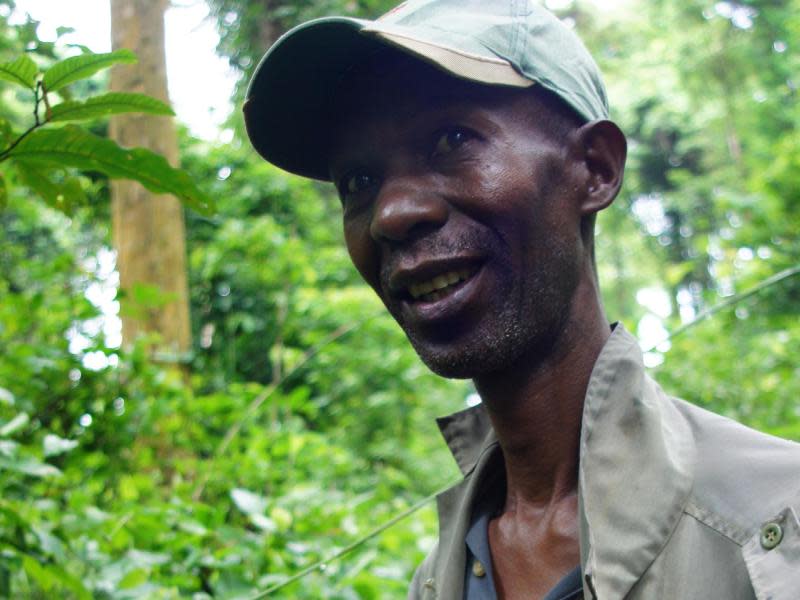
[497, 42]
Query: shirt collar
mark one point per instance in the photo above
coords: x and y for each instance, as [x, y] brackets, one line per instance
[636, 463]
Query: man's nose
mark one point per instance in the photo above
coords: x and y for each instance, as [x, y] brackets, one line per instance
[405, 209]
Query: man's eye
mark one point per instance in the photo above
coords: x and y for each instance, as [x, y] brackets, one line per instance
[355, 184]
[450, 140]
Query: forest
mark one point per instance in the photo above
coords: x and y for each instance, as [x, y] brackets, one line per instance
[262, 428]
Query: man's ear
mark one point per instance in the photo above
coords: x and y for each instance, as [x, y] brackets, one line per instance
[602, 148]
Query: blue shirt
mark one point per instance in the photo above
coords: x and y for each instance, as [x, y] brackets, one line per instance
[481, 587]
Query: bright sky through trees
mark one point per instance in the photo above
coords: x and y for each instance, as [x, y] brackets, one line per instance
[200, 82]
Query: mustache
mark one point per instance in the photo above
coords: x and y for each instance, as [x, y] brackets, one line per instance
[439, 247]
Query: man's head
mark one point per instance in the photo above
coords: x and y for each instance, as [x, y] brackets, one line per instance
[467, 206]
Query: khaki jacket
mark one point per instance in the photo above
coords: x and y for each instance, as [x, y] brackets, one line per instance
[675, 503]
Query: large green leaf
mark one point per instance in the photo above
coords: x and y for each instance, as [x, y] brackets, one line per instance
[80, 67]
[62, 195]
[3, 193]
[72, 146]
[108, 104]
[21, 71]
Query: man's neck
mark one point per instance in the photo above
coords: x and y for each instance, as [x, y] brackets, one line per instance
[536, 409]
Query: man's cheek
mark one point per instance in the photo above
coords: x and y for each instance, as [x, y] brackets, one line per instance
[365, 257]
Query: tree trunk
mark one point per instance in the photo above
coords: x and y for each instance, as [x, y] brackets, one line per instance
[148, 229]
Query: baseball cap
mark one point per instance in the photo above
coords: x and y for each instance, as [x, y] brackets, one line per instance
[494, 42]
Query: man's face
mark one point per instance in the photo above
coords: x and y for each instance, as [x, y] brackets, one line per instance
[460, 212]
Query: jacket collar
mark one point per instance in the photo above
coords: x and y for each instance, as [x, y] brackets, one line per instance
[635, 476]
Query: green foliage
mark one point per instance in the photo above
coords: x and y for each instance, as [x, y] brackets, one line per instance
[73, 146]
[21, 71]
[151, 502]
[46, 156]
[108, 104]
[306, 420]
[66, 193]
[80, 67]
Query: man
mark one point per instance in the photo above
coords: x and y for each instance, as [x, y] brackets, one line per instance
[471, 148]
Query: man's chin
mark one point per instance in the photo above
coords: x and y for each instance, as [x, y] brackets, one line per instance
[450, 370]
[488, 352]
[455, 363]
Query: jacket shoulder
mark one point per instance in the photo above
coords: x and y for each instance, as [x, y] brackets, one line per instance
[742, 477]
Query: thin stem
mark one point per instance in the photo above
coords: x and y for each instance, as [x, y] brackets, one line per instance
[5, 154]
[36, 102]
[320, 564]
[735, 299]
[37, 122]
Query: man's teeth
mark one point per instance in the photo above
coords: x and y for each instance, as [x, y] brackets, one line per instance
[432, 290]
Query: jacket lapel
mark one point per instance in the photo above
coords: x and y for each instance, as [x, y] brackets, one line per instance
[636, 465]
[471, 439]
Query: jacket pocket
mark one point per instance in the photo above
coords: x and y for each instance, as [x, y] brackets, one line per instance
[772, 556]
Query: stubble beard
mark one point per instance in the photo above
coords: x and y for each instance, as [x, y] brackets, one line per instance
[524, 324]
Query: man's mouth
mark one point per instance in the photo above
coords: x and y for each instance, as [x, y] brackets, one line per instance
[440, 286]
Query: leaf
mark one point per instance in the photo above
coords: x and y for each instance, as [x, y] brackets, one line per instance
[29, 466]
[60, 195]
[44, 578]
[109, 104]
[21, 71]
[192, 527]
[64, 31]
[50, 577]
[12, 516]
[281, 517]
[8, 448]
[80, 67]
[133, 579]
[141, 558]
[49, 543]
[72, 146]
[3, 204]
[54, 445]
[262, 522]
[96, 515]
[14, 425]
[6, 397]
[248, 502]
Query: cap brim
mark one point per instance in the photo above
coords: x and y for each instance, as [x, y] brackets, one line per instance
[285, 109]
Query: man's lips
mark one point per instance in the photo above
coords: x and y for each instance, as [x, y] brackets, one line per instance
[436, 288]
[430, 280]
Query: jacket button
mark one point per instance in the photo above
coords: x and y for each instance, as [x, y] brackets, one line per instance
[771, 535]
